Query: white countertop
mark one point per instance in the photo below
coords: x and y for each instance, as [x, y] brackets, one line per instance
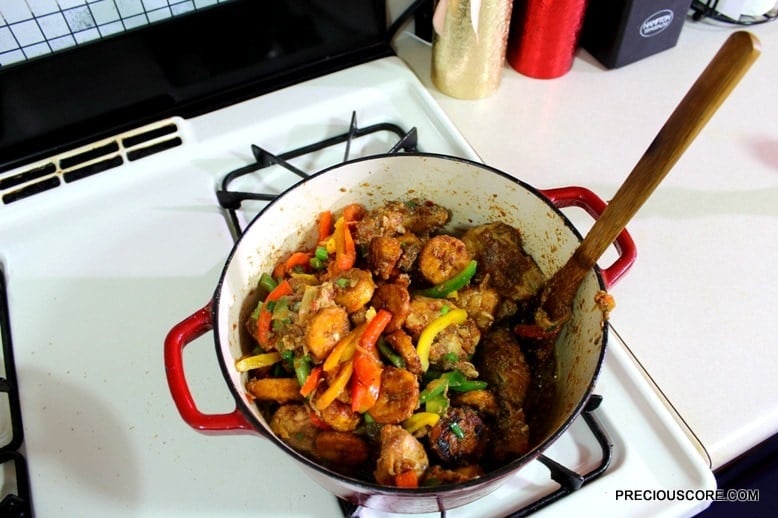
[697, 308]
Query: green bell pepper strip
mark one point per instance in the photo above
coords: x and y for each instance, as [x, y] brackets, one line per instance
[389, 354]
[302, 368]
[455, 283]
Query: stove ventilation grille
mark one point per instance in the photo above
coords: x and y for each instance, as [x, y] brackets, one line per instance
[89, 160]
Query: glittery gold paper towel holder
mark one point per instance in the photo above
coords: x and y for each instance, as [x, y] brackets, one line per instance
[468, 46]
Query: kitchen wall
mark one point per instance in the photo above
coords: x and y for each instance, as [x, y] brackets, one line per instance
[31, 28]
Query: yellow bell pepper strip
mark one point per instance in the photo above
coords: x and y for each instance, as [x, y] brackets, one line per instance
[337, 386]
[265, 315]
[428, 334]
[457, 282]
[257, 361]
[344, 349]
[310, 383]
[419, 420]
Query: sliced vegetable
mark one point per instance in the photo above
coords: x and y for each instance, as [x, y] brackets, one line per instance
[419, 420]
[337, 386]
[297, 260]
[428, 334]
[267, 283]
[302, 368]
[373, 331]
[454, 427]
[265, 316]
[455, 283]
[309, 385]
[257, 361]
[345, 249]
[407, 479]
[364, 396]
[389, 355]
[344, 349]
[458, 382]
[325, 225]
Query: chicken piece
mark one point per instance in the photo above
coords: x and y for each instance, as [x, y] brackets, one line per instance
[453, 347]
[353, 289]
[437, 475]
[498, 249]
[382, 256]
[459, 437]
[341, 448]
[399, 452]
[340, 417]
[402, 344]
[280, 390]
[481, 400]
[424, 310]
[324, 330]
[411, 246]
[481, 302]
[512, 438]
[503, 366]
[292, 424]
[398, 217]
[442, 257]
[393, 297]
[398, 397]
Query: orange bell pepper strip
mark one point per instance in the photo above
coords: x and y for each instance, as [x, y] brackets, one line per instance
[344, 349]
[265, 316]
[325, 225]
[345, 249]
[311, 381]
[407, 479]
[297, 259]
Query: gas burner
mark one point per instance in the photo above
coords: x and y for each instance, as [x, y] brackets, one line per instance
[232, 200]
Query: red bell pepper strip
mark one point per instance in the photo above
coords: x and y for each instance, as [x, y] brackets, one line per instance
[363, 396]
[373, 331]
[264, 318]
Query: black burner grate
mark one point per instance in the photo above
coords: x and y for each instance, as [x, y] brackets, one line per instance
[12, 504]
[231, 200]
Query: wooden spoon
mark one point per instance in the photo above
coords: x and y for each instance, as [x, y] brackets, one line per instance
[702, 100]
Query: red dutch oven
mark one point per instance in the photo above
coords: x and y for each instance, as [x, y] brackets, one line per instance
[475, 194]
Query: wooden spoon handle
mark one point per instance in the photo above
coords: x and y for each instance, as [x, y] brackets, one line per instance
[702, 100]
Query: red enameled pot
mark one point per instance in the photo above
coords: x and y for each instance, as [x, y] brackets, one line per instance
[475, 194]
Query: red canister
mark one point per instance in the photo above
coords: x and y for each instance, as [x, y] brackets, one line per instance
[544, 36]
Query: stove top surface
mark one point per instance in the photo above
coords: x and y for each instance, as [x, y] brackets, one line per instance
[100, 268]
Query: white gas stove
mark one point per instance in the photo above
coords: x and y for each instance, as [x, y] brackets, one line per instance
[98, 270]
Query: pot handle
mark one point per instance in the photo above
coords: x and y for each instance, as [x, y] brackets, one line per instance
[594, 206]
[179, 337]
